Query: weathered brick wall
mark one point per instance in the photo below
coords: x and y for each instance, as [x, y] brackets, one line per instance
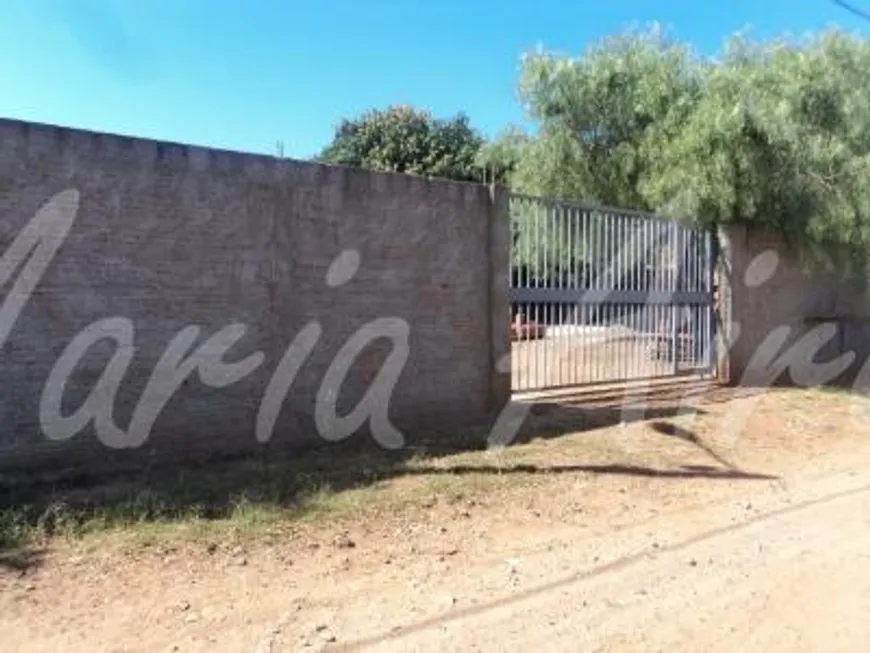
[168, 236]
[784, 310]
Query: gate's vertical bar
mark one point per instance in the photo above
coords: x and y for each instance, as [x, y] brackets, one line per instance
[540, 353]
[697, 254]
[589, 308]
[548, 284]
[631, 314]
[651, 358]
[622, 343]
[518, 269]
[523, 239]
[703, 279]
[683, 272]
[599, 282]
[565, 277]
[611, 287]
[628, 284]
[647, 316]
[595, 308]
[557, 307]
[644, 311]
[519, 308]
[578, 284]
[533, 344]
[611, 361]
[521, 271]
[689, 264]
[672, 283]
[513, 282]
[536, 306]
[516, 282]
[555, 266]
[584, 243]
[602, 349]
[619, 304]
[589, 284]
[531, 262]
[638, 310]
[539, 253]
[560, 262]
[568, 261]
[552, 338]
[569, 313]
[523, 251]
[694, 316]
[700, 256]
[571, 308]
[691, 358]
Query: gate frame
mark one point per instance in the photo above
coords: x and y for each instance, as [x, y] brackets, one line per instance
[677, 297]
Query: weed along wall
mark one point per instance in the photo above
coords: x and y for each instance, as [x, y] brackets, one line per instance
[161, 301]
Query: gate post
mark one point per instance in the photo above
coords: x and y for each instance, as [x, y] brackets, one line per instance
[499, 256]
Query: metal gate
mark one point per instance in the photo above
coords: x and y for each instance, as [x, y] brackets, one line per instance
[604, 295]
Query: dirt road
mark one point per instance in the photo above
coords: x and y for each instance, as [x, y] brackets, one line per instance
[769, 553]
[792, 579]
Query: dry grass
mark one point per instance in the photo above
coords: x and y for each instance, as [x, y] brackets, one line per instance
[249, 498]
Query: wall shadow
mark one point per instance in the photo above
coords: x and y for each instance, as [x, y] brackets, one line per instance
[686, 471]
[215, 489]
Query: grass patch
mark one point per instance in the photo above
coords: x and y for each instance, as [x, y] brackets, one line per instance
[244, 497]
[249, 497]
[253, 496]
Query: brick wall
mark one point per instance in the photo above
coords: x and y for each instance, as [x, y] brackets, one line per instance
[783, 309]
[166, 236]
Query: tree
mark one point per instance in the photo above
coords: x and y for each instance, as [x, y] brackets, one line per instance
[774, 134]
[404, 139]
[602, 118]
[601, 121]
[780, 138]
[500, 158]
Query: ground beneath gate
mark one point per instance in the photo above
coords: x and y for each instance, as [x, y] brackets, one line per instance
[676, 532]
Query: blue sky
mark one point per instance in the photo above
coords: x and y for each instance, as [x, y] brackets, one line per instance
[244, 74]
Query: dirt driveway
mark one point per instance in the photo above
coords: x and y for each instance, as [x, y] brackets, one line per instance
[663, 534]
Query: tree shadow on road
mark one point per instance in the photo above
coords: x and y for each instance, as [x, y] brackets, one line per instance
[673, 430]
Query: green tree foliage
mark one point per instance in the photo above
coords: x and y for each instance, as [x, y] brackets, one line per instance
[603, 118]
[500, 158]
[403, 139]
[780, 138]
[774, 134]
[602, 121]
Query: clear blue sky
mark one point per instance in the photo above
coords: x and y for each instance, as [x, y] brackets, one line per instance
[243, 74]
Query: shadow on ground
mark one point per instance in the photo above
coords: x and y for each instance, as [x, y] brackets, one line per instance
[688, 471]
[214, 491]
